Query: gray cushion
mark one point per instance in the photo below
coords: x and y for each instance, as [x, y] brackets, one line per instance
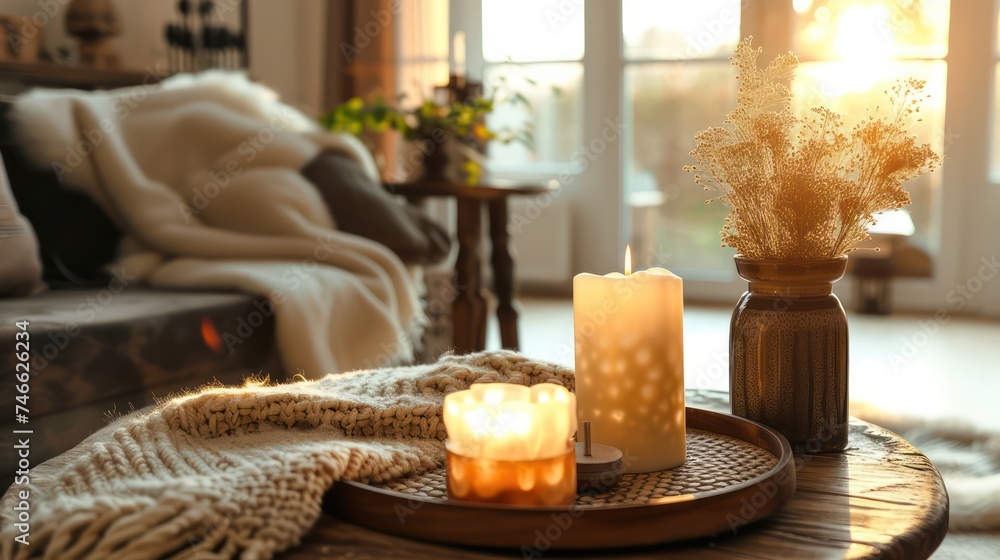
[76, 238]
[360, 205]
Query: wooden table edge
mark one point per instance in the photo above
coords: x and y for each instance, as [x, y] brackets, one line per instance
[486, 191]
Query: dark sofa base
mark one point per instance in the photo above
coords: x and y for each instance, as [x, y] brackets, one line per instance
[96, 354]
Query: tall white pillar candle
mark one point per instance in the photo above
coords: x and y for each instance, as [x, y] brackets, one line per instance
[630, 364]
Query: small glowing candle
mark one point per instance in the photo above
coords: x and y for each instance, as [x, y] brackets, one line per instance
[630, 363]
[511, 444]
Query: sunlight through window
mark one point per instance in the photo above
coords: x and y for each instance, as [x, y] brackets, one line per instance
[540, 65]
[678, 29]
[853, 50]
[677, 78]
[866, 29]
[541, 35]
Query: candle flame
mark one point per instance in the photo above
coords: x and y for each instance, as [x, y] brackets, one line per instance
[628, 260]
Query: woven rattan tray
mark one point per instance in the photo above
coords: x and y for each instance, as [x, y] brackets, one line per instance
[736, 472]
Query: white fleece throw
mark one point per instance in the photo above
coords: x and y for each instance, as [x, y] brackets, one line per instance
[241, 471]
[202, 175]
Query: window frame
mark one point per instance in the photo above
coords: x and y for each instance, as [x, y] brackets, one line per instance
[967, 195]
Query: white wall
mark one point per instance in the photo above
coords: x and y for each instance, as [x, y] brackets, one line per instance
[286, 50]
[288, 41]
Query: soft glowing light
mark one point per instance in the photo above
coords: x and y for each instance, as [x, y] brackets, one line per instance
[658, 28]
[550, 39]
[511, 444]
[629, 353]
[211, 335]
[802, 6]
[861, 41]
[858, 30]
[840, 78]
[628, 260]
[863, 33]
[458, 51]
[814, 33]
[509, 422]
[894, 222]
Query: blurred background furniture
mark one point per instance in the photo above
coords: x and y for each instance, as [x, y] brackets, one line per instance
[94, 23]
[101, 344]
[889, 254]
[201, 35]
[205, 42]
[469, 310]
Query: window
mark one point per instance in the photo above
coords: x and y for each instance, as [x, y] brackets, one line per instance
[540, 61]
[662, 66]
[422, 49]
[853, 50]
[678, 80]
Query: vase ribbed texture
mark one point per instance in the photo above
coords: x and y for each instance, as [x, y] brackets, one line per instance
[788, 352]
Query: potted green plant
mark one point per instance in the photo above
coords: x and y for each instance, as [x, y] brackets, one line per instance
[443, 133]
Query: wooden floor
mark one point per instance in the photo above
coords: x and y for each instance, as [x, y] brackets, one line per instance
[899, 363]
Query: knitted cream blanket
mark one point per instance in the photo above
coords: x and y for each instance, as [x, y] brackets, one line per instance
[229, 472]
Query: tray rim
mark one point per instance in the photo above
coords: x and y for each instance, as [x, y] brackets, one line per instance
[346, 496]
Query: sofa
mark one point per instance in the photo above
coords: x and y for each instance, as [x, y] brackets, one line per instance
[102, 345]
[101, 352]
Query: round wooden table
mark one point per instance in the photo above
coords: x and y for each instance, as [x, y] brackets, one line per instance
[469, 308]
[881, 498]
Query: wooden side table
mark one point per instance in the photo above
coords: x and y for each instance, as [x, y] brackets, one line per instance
[881, 498]
[469, 309]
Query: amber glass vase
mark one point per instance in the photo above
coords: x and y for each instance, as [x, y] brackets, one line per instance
[788, 351]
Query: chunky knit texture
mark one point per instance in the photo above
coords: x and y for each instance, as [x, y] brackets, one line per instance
[228, 472]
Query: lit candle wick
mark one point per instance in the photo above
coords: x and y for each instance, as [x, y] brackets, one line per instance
[628, 260]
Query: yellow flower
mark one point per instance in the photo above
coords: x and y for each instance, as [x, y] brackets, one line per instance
[355, 104]
[481, 132]
[472, 172]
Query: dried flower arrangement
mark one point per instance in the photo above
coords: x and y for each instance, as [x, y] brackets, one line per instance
[805, 189]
